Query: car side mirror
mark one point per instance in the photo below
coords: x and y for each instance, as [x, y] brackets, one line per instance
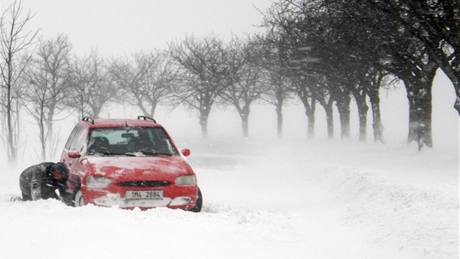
[74, 154]
[185, 152]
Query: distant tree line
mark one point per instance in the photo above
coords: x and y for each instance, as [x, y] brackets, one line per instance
[323, 52]
[338, 49]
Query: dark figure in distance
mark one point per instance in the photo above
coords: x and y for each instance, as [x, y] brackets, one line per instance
[41, 181]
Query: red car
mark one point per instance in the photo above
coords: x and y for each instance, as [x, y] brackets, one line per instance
[128, 163]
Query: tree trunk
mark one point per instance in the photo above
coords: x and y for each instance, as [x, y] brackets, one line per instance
[377, 125]
[457, 92]
[81, 108]
[9, 111]
[49, 119]
[420, 109]
[41, 125]
[362, 112]
[456, 81]
[310, 108]
[344, 113]
[51, 147]
[245, 125]
[329, 119]
[153, 107]
[204, 115]
[96, 111]
[245, 121]
[311, 119]
[412, 136]
[9, 124]
[17, 125]
[279, 112]
[279, 120]
[142, 108]
[452, 71]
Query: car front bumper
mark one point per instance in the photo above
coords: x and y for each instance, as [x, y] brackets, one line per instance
[176, 197]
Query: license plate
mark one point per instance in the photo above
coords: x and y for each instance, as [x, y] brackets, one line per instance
[144, 195]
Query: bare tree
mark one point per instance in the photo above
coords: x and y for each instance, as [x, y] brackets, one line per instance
[15, 39]
[436, 24]
[385, 35]
[47, 77]
[302, 86]
[358, 41]
[204, 74]
[245, 84]
[149, 79]
[274, 60]
[375, 80]
[91, 87]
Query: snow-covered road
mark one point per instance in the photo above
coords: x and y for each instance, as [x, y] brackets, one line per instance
[289, 200]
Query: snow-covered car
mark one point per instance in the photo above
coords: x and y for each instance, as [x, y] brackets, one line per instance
[128, 163]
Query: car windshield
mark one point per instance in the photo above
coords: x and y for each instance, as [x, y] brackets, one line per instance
[129, 141]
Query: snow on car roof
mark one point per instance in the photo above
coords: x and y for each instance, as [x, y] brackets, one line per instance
[106, 123]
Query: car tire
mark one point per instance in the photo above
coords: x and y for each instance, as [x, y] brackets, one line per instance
[78, 200]
[199, 202]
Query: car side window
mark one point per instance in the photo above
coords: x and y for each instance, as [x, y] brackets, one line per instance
[79, 141]
[161, 141]
[72, 135]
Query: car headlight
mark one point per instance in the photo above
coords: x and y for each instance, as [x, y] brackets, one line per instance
[186, 180]
[97, 182]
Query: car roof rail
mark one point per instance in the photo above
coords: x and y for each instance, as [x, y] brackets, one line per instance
[88, 119]
[142, 117]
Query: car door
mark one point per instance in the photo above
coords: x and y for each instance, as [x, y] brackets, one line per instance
[65, 151]
[77, 144]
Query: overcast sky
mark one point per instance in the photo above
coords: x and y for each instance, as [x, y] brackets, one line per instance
[119, 27]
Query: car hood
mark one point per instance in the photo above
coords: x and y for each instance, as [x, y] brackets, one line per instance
[138, 168]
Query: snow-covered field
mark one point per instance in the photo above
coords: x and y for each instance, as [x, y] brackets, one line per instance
[292, 200]
[266, 198]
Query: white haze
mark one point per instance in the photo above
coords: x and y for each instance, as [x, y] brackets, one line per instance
[263, 197]
[118, 27]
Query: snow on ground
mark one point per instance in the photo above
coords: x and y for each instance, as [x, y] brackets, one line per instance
[288, 200]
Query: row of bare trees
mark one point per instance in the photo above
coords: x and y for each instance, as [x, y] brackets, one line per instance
[335, 50]
[324, 52]
[15, 39]
[42, 77]
[197, 73]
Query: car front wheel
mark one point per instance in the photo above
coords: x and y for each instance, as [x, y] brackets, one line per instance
[199, 202]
